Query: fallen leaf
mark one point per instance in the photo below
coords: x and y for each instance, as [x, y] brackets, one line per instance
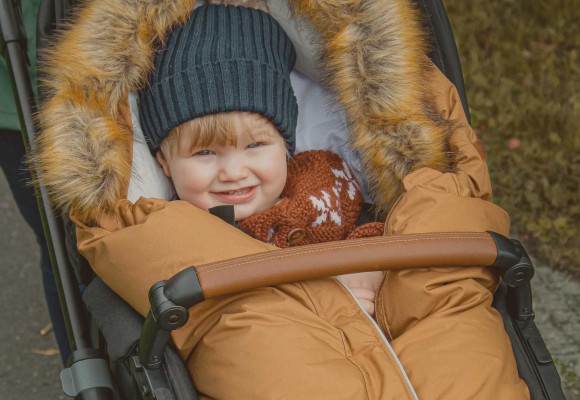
[46, 330]
[514, 143]
[46, 352]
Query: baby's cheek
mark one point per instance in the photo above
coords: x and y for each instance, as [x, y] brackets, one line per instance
[277, 174]
[195, 193]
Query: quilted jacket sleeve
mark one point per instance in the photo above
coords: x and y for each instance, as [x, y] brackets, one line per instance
[444, 329]
[152, 240]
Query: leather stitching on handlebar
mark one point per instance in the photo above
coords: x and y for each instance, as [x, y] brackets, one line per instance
[347, 244]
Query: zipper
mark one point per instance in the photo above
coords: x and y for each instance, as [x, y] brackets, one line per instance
[393, 354]
[379, 307]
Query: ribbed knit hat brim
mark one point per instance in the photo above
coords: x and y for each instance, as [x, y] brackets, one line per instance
[224, 58]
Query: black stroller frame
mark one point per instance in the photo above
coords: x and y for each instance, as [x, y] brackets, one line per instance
[145, 367]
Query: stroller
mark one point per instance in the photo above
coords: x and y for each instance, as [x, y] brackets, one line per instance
[147, 368]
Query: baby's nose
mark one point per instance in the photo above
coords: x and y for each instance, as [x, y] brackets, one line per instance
[233, 170]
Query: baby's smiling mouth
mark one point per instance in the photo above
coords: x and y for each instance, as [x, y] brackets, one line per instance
[236, 196]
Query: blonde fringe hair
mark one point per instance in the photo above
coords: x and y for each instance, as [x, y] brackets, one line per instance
[210, 130]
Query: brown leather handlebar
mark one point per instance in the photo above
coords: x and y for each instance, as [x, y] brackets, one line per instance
[343, 257]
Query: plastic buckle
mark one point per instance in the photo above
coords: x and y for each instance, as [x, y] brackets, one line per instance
[86, 374]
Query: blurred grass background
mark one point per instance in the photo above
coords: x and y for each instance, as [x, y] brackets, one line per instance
[521, 64]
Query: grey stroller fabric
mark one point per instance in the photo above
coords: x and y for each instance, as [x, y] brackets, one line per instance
[120, 326]
[115, 318]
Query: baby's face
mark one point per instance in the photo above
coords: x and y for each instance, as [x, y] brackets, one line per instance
[250, 176]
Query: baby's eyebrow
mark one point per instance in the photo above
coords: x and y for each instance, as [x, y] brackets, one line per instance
[262, 132]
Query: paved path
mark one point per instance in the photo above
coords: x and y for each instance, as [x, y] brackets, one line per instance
[29, 372]
[557, 308]
[25, 373]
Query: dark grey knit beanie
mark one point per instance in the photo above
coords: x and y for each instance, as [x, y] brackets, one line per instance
[224, 58]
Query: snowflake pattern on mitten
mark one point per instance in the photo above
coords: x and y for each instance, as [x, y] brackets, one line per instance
[328, 203]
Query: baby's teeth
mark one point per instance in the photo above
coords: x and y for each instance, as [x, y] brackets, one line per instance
[237, 191]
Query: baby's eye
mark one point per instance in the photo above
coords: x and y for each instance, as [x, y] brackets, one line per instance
[255, 145]
[203, 153]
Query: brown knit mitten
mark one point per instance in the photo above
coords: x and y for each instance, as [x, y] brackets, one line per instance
[320, 203]
[368, 230]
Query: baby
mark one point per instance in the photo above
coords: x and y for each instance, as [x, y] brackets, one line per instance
[219, 113]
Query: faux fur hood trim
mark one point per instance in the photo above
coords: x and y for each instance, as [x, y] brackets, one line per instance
[373, 56]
